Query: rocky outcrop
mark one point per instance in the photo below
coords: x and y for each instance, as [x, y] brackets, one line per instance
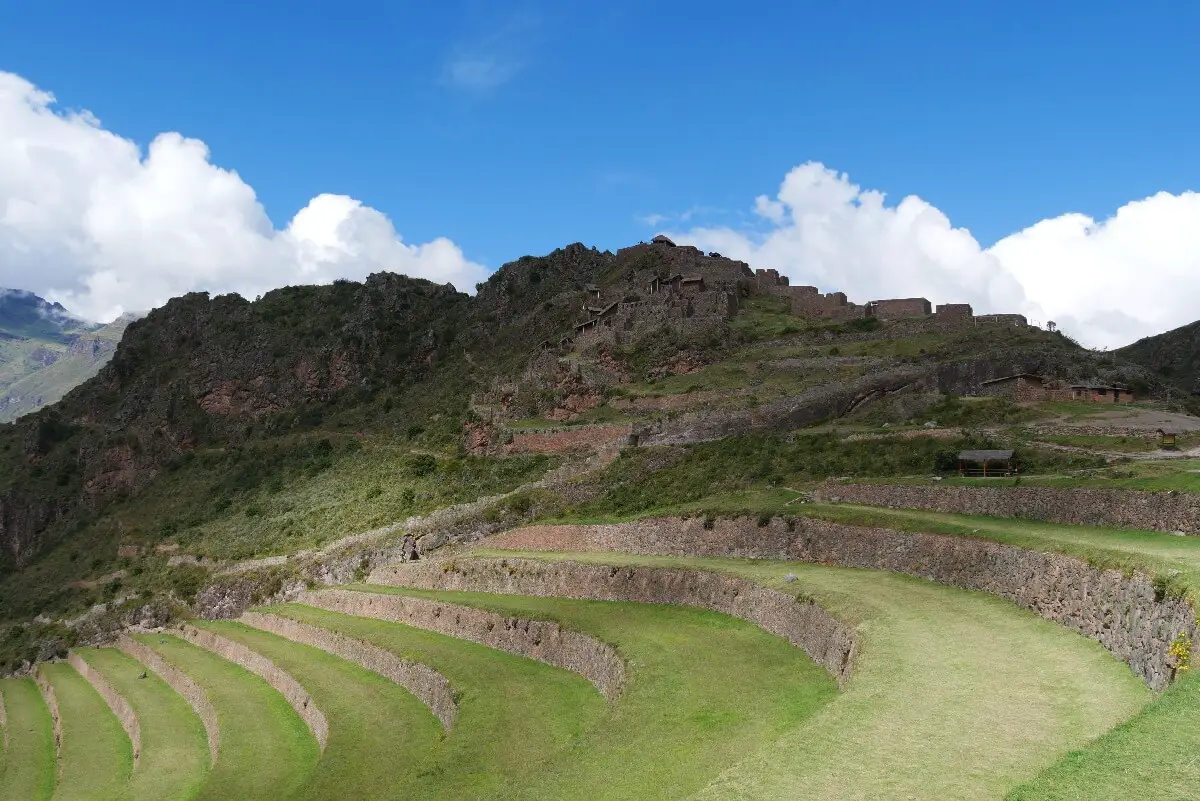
[1155, 511]
[802, 623]
[182, 684]
[256, 663]
[47, 690]
[116, 702]
[542, 640]
[429, 686]
[1123, 613]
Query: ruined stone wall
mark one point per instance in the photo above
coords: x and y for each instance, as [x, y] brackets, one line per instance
[569, 440]
[893, 308]
[429, 686]
[1154, 511]
[182, 684]
[282, 681]
[116, 702]
[1122, 613]
[542, 640]
[802, 623]
[808, 302]
[957, 311]
[1001, 319]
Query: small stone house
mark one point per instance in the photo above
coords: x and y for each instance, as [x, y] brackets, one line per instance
[1021, 388]
[1101, 393]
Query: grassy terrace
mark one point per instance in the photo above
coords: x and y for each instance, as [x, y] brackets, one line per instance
[514, 713]
[175, 757]
[97, 758]
[955, 694]
[372, 722]
[27, 769]
[704, 691]
[266, 750]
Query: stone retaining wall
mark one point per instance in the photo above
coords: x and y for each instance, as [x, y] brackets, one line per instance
[181, 683]
[47, 690]
[1122, 613]
[802, 623]
[1156, 511]
[255, 662]
[542, 640]
[116, 702]
[428, 685]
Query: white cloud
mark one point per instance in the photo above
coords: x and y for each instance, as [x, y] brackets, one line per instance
[1106, 283]
[89, 219]
[495, 54]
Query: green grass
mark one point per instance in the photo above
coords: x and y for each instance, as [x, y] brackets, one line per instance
[175, 757]
[1102, 442]
[97, 758]
[373, 723]
[704, 690]
[266, 750]
[514, 713]
[29, 764]
[1152, 756]
[955, 694]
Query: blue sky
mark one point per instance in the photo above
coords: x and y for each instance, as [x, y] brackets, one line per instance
[514, 128]
[998, 114]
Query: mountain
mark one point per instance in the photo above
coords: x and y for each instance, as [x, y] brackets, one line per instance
[45, 351]
[225, 429]
[1174, 356]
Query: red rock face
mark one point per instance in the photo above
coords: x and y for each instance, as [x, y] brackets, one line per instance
[477, 437]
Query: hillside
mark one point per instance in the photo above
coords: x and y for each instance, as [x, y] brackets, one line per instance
[1173, 355]
[45, 351]
[585, 535]
[224, 429]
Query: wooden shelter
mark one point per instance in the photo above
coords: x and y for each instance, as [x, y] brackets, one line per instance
[987, 463]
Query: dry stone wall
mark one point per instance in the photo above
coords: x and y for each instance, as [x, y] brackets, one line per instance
[542, 640]
[255, 662]
[428, 685]
[1156, 511]
[802, 623]
[182, 684]
[116, 702]
[1123, 613]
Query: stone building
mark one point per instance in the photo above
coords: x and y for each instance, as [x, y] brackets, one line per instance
[1022, 388]
[1001, 319]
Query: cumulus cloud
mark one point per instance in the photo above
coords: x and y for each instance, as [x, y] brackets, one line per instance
[1106, 283]
[89, 219]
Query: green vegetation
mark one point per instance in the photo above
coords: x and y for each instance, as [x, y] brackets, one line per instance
[96, 758]
[954, 694]
[301, 491]
[1182, 475]
[175, 758]
[514, 713]
[372, 722]
[1151, 756]
[266, 750]
[28, 766]
[765, 317]
[639, 482]
[1102, 442]
[704, 690]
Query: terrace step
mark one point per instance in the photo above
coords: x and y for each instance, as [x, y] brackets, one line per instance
[175, 757]
[95, 757]
[266, 750]
[29, 757]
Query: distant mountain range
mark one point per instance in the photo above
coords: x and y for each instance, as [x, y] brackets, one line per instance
[45, 351]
